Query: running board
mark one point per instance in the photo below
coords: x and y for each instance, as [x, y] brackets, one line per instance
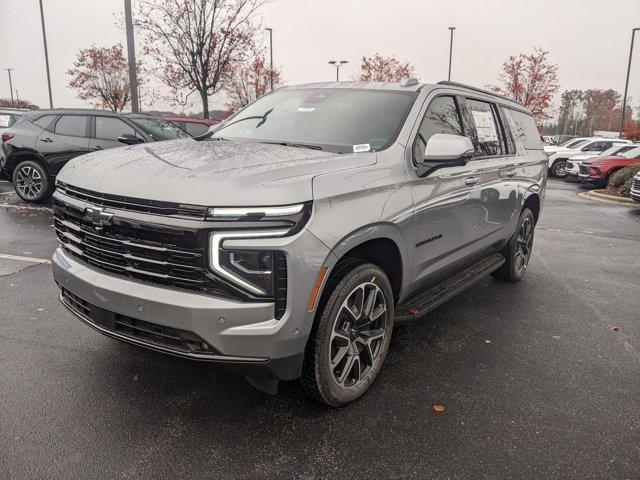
[426, 300]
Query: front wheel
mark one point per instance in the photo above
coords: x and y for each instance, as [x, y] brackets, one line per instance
[518, 251]
[31, 182]
[559, 168]
[350, 339]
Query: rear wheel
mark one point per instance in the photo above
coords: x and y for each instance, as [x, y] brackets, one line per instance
[31, 182]
[518, 251]
[559, 168]
[350, 339]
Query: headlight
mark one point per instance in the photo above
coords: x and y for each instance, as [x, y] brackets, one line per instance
[255, 271]
[252, 270]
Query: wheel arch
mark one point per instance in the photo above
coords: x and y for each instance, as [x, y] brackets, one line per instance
[381, 245]
[532, 202]
[15, 159]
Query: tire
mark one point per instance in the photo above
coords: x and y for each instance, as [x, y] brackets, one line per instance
[514, 253]
[344, 355]
[558, 168]
[31, 182]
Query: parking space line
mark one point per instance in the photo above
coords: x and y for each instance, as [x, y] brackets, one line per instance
[24, 259]
[26, 207]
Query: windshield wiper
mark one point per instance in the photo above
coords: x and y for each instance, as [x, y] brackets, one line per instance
[297, 145]
[262, 118]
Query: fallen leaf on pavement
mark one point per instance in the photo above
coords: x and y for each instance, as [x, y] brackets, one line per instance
[438, 408]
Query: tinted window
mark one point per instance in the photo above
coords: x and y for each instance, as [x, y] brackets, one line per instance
[508, 136]
[524, 130]
[442, 116]
[44, 121]
[343, 120]
[196, 129]
[110, 128]
[72, 125]
[158, 129]
[487, 135]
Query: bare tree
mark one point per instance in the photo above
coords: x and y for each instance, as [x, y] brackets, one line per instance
[196, 45]
[250, 82]
[384, 69]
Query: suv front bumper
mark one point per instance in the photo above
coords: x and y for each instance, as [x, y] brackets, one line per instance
[243, 337]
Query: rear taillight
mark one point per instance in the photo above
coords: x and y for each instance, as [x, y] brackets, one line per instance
[6, 136]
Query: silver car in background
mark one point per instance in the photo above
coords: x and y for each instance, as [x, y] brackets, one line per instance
[287, 243]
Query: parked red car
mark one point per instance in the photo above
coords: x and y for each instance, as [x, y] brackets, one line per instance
[193, 126]
[598, 172]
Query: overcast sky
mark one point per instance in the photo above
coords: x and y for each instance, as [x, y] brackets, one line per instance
[588, 39]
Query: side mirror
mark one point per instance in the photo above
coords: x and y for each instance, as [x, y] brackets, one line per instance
[129, 139]
[445, 150]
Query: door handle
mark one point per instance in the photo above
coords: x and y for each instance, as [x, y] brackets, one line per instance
[471, 180]
[46, 140]
[97, 147]
[511, 173]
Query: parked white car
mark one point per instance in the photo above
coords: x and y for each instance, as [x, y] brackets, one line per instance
[569, 144]
[592, 146]
[573, 165]
[635, 187]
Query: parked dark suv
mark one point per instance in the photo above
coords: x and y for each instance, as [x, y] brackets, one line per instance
[39, 145]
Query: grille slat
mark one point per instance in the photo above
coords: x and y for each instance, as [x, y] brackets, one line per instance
[154, 253]
[636, 184]
[156, 207]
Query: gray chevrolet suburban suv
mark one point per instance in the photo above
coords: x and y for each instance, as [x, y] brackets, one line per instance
[287, 243]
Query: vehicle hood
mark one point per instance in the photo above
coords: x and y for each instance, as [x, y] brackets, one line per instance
[602, 160]
[208, 172]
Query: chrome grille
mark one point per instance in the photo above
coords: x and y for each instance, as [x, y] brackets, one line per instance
[164, 255]
[636, 184]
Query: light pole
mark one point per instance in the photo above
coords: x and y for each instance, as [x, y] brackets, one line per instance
[451, 29]
[46, 55]
[17, 97]
[337, 64]
[270, 30]
[131, 56]
[626, 83]
[10, 85]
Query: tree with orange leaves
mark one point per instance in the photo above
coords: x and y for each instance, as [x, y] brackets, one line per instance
[100, 74]
[530, 79]
[384, 69]
[249, 83]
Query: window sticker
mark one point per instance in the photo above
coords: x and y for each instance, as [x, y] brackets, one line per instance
[4, 120]
[306, 109]
[363, 147]
[485, 126]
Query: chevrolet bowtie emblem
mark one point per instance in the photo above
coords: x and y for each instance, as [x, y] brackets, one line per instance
[98, 216]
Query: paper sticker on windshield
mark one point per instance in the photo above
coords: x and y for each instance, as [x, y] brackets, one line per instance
[306, 109]
[363, 147]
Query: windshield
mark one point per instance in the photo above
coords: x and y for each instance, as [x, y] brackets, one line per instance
[158, 129]
[575, 143]
[615, 150]
[336, 119]
[566, 142]
[633, 153]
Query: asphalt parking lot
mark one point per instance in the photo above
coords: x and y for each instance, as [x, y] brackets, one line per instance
[539, 379]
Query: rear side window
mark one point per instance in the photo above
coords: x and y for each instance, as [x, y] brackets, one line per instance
[44, 121]
[525, 130]
[487, 139]
[196, 129]
[110, 128]
[72, 125]
[442, 116]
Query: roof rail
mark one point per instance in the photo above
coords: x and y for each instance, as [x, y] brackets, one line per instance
[487, 92]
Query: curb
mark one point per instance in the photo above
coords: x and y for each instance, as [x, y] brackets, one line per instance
[609, 198]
